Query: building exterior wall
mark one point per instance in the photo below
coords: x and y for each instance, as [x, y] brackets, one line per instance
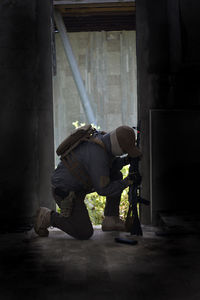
[107, 63]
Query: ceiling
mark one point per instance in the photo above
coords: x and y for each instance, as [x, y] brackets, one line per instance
[97, 15]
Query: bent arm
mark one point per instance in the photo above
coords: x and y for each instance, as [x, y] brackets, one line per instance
[99, 171]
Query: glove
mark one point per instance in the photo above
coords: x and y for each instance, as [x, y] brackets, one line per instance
[135, 177]
[128, 181]
[127, 160]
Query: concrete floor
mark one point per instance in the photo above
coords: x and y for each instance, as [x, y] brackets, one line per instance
[59, 267]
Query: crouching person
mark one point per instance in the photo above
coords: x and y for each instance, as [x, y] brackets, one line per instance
[93, 165]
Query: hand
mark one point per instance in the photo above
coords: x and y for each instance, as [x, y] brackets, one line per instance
[127, 160]
[135, 177]
[128, 181]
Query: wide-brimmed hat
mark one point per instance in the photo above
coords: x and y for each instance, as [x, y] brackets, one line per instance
[126, 139]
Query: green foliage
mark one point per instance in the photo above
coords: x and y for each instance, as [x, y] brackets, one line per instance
[96, 204]
[77, 125]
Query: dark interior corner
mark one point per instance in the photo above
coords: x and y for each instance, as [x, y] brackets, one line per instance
[169, 66]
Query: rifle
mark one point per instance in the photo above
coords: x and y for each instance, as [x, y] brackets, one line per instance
[132, 222]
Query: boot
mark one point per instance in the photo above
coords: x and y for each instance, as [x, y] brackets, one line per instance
[42, 221]
[113, 223]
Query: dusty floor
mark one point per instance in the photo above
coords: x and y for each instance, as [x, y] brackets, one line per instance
[59, 267]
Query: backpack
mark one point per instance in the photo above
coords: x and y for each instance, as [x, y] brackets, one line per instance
[83, 133]
[76, 168]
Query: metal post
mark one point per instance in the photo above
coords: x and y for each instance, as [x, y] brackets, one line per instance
[74, 68]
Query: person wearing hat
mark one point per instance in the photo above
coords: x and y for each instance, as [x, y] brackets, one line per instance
[98, 163]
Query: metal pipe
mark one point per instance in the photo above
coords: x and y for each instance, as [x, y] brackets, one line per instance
[74, 68]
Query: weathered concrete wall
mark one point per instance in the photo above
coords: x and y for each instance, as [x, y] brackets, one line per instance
[107, 63]
[26, 152]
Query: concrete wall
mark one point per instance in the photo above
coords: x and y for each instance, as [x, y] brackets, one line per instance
[26, 123]
[107, 62]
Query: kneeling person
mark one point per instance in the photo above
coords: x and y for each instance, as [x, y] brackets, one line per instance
[92, 166]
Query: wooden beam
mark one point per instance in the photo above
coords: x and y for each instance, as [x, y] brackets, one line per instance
[99, 23]
[105, 12]
[96, 11]
[127, 4]
[92, 2]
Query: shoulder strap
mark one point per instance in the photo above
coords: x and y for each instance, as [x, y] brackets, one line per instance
[77, 170]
